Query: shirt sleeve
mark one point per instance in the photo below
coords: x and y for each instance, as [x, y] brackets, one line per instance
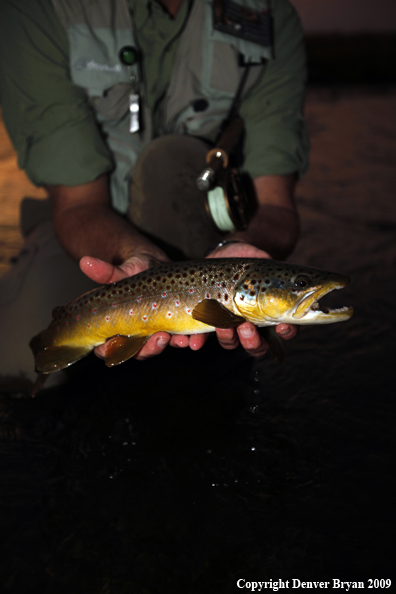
[48, 118]
[276, 141]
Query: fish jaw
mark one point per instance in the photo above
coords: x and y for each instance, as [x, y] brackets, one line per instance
[308, 310]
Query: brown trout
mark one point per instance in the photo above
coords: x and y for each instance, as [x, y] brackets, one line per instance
[186, 298]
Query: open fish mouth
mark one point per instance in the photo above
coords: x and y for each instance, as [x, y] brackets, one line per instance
[310, 308]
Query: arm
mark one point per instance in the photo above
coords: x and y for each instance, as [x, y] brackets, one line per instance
[275, 226]
[86, 224]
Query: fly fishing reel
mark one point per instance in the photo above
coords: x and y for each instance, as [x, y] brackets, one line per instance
[229, 196]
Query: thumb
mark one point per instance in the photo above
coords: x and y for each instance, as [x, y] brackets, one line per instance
[100, 271]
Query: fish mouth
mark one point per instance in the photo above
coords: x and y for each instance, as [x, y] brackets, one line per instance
[309, 309]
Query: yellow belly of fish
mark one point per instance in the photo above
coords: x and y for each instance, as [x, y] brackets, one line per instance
[144, 320]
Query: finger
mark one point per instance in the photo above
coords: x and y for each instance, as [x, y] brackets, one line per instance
[179, 341]
[99, 271]
[155, 345]
[197, 341]
[238, 250]
[251, 340]
[286, 331]
[228, 339]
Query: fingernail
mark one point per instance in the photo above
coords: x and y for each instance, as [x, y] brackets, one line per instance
[285, 332]
[246, 332]
[162, 342]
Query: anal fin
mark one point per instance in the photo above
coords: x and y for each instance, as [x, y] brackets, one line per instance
[122, 348]
[213, 313]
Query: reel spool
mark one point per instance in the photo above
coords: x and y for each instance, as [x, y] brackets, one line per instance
[228, 204]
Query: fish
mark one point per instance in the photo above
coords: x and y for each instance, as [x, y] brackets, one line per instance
[188, 297]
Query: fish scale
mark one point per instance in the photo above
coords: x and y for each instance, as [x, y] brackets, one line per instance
[184, 298]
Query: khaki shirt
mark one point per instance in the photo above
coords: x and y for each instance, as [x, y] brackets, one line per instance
[54, 130]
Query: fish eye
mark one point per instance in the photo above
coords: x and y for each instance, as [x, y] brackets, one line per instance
[302, 281]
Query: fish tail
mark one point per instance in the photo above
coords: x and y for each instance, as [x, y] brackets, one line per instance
[49, 359]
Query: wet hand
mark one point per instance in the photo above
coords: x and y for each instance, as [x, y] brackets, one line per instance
[247, 334]
[105, 273]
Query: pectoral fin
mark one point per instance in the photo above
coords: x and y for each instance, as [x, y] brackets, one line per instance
[213, 313]
[275, 343]
[55, 358]
[122, 348]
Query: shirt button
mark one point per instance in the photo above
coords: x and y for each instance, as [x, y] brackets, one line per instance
[200, 104]
[129, 55]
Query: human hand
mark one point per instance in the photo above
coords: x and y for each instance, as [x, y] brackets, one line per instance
[104, 273]
[247, 333]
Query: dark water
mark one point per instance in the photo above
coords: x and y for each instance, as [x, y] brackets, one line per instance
[188, 472]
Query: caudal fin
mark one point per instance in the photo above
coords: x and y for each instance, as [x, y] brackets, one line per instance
[49, 359]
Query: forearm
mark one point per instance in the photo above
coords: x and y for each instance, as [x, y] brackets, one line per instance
[87, 225]
[274, 229]
[275, 226]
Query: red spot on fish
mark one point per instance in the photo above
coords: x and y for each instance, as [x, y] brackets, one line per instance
[144, 318]
[177, 302]
[188, 311]
[58, 329]
[191, 291]
[88, 325]
[169, 314]
[114, 304]
[67, 323]
[138, 299]
[154, 305]
[77, 318]
[164, 294]
[207, 295]
[94, 310]
[107, 318]
[131, 312]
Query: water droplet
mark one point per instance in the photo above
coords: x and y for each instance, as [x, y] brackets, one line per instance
[254, 409]
[256, 392]
[208, 451]
[253, 449]
[124, 443]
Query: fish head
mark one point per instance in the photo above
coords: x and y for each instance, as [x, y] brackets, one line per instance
[274, 292]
